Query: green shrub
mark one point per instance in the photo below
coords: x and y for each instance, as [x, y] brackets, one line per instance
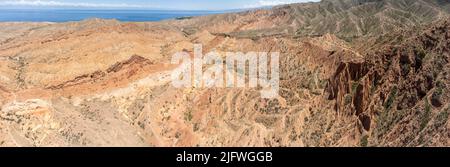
[421, 54]
[196, 127]
[364, 141]
[441, 119]
[354, 87]
[439, 88]
[437, 95]
[188, 115]
[426, 116]
[391, 99]
[386, 120]
[373, 88]
[348, 99]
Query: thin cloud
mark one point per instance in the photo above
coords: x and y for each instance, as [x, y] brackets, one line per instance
[265, 3]
[42, 3]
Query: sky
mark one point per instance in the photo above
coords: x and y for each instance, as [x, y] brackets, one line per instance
[147, 4]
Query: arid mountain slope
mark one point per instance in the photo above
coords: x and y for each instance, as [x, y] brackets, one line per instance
[347, 19]
[397, 95]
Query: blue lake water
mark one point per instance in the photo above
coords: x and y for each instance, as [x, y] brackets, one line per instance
[61, 15]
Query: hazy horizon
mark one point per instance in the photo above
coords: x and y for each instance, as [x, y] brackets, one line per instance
[131, 10]
[126, 15]
[196, 5]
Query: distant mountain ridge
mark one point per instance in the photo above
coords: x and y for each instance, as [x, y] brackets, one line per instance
[354, 18]
[347, 19]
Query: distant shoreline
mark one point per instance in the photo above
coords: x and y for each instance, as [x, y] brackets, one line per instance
[73, 15]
